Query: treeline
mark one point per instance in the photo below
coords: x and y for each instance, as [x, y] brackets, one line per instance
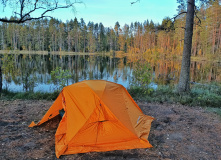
[77, 36]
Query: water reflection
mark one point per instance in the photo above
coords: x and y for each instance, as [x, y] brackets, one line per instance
[32, 72]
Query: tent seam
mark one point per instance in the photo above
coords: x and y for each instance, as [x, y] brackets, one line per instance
[110, 110]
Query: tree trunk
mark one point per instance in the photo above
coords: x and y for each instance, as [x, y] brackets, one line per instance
[3, 45]
[184, 85]
[0, 78]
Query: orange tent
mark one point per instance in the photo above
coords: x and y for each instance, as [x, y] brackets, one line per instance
[99, 116]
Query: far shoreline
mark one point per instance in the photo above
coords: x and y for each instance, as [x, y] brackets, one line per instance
[111, 53]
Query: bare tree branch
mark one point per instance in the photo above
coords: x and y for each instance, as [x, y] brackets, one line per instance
[56, 7]
[47, 6]
[195, 13]
[135, 2]
[183, 28]
[22, 21]
[199, 20]
[174, 18]
[180, 27]
[22, 7]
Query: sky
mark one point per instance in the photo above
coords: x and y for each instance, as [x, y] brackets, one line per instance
[110, 11]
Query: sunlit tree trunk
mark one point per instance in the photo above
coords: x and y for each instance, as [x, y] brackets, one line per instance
[219, 39]
[184, 85]
[214, 39]
[69, 42]
[196, 42]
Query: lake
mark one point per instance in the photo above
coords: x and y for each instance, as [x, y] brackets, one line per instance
[31, 72]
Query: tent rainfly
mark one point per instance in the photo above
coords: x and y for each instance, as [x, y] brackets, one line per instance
[98, 116]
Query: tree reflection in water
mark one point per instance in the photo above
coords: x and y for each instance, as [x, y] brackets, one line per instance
[33, 72]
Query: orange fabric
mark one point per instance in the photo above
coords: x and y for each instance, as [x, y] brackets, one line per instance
[99, 116]
[52, 112]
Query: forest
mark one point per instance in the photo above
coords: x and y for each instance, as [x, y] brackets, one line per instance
[139, 37]
[170, 71]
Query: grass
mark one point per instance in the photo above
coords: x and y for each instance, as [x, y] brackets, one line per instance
[8, 95]
[214, 110]
[205, 95]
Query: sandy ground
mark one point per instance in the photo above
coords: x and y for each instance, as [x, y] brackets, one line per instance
[178, 132]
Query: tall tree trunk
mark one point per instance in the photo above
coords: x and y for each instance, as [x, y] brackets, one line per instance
[184, 85]
[0, 78]
[84, 43]
[3, 45]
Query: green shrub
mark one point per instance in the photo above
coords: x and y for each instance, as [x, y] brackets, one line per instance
[60, 77]
[142, 74]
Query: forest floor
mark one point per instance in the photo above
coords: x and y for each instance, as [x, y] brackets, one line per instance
[178, 132]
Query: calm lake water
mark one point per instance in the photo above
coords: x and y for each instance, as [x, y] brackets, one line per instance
[24, 72]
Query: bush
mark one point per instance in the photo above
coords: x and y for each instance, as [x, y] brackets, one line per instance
[60, 77]
[142, 74]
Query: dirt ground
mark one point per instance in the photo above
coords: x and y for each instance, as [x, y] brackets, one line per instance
[178, 132]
